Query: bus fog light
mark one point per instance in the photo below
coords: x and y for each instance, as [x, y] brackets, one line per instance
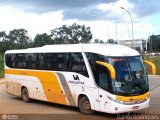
[147, 98]
[116, 108]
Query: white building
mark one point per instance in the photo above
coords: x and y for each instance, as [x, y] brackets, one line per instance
[138, 44]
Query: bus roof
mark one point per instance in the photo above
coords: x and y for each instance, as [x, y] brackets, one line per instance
[103, 49]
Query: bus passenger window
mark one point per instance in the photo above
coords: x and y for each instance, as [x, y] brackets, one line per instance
[76, 64]
[57, 62]
[92, 58]
[21, 62]
[60, 62]
[41, 63]
[31, 61]
[14, 61]
[8, 59]
[48, 61]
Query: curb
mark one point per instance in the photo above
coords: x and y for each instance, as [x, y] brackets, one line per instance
[153, 75]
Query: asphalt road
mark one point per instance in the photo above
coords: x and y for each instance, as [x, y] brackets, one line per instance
[15, 108]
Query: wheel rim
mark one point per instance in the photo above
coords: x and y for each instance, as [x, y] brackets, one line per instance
[86, 105]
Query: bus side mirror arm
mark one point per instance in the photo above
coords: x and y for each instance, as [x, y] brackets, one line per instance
[109, 67]
[153, 67]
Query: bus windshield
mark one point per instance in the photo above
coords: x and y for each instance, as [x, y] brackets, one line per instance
[131, 77]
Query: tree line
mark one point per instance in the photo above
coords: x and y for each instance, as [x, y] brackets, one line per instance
[19, 38]
[71, 34]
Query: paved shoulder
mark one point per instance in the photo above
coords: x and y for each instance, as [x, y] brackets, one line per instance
[154, 81]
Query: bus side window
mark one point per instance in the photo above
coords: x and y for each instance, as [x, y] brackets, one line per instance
[8, 59]
[103, 77]
[60, 62]
[21, 62]
[56, 62]
[100, 73]
[92, 58]
[31, 61]
[76, 63]
[41, 61]
[14, 61]
[48, 61]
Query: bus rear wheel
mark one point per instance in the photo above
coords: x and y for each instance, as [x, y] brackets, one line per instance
[85, 106]
[25, 95]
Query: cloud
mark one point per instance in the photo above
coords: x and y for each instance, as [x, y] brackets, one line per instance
[33, 22]
[51, 5]
[105, 11]
[90, 13]
[145, 8]
[84, 9]
[72, 9]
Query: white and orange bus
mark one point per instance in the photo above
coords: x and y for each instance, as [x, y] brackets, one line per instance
[94, 77]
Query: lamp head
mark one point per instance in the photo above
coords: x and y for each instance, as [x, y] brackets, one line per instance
[122, 7]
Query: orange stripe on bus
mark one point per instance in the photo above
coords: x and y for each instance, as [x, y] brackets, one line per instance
[49, 83]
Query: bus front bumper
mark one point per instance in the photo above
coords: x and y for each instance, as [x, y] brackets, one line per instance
[122, 108]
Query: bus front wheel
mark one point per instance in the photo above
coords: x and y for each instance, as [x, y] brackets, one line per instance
[85, 106]
[25, 95]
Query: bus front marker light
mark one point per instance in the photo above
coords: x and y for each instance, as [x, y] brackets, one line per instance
[147, 97]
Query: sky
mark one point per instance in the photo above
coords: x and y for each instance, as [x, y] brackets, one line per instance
[104, 17]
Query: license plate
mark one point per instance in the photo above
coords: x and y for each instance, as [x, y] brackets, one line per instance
[135, 107]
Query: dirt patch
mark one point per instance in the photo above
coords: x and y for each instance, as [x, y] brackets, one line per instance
[2, 80]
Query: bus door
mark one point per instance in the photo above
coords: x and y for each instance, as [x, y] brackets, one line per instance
[106, 73]
[101, 76]
[102, 102]
[103, 83]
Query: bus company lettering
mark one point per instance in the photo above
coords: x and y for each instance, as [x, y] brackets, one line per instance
[76, 80]
[75, 77]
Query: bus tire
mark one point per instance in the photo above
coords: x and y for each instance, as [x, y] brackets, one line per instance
[85, 106]
[25, 95]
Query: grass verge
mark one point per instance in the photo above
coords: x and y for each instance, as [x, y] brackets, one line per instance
[156, 61]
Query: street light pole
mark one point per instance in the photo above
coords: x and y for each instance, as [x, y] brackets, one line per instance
[107, 32]
[131, 20]
[147, 28]
[94, 15]
[116, 34]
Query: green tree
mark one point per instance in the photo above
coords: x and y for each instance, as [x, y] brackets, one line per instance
[42, 39]
[3, 36]
[61, 35]
[154, 41]
[71, 34]
[18, 39]
[111, 41]
[98, 41]
[4, 42]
